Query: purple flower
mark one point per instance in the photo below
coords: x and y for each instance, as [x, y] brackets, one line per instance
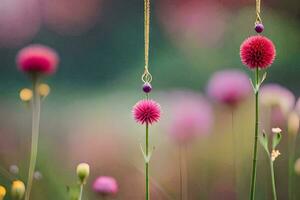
[190, 115]
[229, 87]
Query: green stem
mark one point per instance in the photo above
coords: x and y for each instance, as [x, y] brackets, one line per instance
[81, 191]
[147, 162]
[235, 155]
[273, 180]
[254, 165]
[36, 107]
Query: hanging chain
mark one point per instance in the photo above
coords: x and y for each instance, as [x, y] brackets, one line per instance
[146, 77]
[258, 18]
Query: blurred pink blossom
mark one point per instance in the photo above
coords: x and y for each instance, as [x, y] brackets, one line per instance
[190, 116]
[229, 87]
[71, 16]
[105, 185]
[19, 21]
[192, 21]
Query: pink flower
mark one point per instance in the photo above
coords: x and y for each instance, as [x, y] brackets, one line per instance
[257, 51]
[105, 185]
[146, 111]
[229, 87]
[37, 59]
[190, 116]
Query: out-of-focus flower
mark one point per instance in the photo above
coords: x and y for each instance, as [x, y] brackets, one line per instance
[293, 123]
[26, 94]
[105, 185]
[146, 111]
[37, 175]
[44, 90]
[186, 22]
[276, 130]
[14, 169]
[190, 116]
[2, 192]
[37, 59]
[229, 87]
[17, 189]
[278, 101]
[71, 17]
[257, 51]
[83, 171]
[20, 21]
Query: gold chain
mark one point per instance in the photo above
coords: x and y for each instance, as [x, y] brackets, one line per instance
[146, 77]
[258, 18]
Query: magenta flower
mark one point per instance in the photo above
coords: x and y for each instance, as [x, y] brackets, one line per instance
[257, 51]
[146, 111]
[279, 100]
[190, 116]
[37, 59]
[105, 185]
[229, 87]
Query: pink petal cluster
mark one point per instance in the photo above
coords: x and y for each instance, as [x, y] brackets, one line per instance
[37, 59]
[229, 87]
[190, 116]
[146, 111]
[257, 51]
[278, 100]
[105, 185]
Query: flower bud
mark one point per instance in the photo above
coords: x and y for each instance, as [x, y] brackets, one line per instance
[83, 171]
[2, 192]
[25, 94]
[293, 123]
[17, 190]
[43, 90]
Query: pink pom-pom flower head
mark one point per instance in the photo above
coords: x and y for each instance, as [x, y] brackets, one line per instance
[257, 52]
[105, 186]
[146, 111]
[37, 60]
[229, 87]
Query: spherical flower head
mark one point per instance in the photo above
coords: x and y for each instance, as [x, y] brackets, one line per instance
[191, 116]
[105, 185]
[17, 189]
[83, 171]
[37, 59]
[229, 87]
[257, 51]
[146, 111]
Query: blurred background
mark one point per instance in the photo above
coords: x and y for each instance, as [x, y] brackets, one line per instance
[87, 117]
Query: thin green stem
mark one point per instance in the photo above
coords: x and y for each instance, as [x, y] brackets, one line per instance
[147, 162]
[36, 107]
[235, 155]
[273, 180]
[254, 164]
[81, 191]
